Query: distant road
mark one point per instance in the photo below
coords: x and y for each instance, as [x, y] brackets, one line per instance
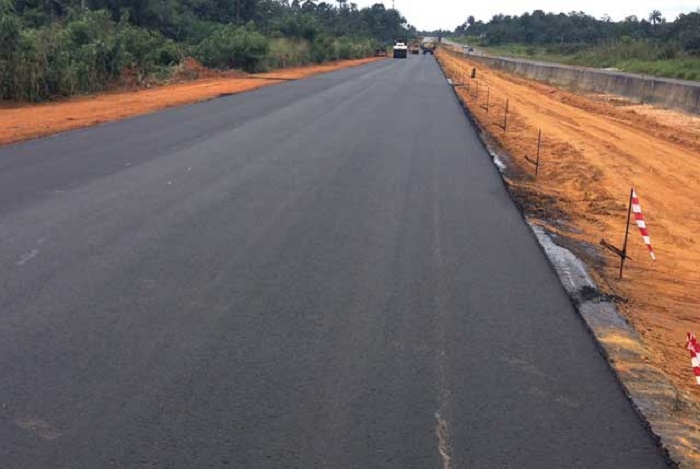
[477, 51]
[326, 273]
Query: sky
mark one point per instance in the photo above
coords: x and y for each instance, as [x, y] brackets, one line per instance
[428, 15]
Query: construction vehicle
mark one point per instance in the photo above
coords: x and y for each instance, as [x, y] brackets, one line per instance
[428, 46]
[400, 48]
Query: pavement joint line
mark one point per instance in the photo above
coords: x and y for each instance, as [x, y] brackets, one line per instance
[657, 401]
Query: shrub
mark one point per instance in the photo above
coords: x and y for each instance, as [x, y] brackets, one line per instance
[84, 54]
[233, 47]
[288, 53]
[303, 26]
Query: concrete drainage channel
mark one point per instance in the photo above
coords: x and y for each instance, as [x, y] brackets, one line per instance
[670, 416]
[676, 94]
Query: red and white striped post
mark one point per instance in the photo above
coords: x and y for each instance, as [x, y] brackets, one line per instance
[636, 208]
[641, 223]
[694, 348]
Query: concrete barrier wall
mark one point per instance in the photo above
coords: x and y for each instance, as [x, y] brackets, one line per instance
[676, 94]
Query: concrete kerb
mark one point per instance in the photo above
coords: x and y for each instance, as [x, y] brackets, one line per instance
[676, 94]
[653, 396]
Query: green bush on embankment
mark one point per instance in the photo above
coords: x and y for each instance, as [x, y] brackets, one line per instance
[81, 55]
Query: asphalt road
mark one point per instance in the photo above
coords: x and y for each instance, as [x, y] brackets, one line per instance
[326, 273]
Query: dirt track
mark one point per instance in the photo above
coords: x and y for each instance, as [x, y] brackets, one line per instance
[24, 122]
[593, 151]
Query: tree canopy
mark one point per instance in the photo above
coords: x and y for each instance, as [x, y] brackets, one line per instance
[183, 19]
[540, 28]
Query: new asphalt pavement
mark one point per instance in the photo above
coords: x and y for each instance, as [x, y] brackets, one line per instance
[326, 273]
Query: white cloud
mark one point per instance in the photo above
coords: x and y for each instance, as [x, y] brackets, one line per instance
[448, 14]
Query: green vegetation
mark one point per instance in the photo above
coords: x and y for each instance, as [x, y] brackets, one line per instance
[57, 48]
[653, 46]
[465, 39]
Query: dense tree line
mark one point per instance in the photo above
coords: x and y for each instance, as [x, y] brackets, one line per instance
[577, 29]
[436, 33]
[59, 47]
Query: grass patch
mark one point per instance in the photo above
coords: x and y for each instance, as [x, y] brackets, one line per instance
[465, 40]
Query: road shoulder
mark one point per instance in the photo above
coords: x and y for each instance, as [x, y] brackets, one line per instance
[23, 122]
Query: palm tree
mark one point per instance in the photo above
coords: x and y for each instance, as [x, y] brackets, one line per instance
[655, 17]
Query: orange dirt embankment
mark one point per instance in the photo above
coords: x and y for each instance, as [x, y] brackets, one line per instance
[593, 152]
[26, 121]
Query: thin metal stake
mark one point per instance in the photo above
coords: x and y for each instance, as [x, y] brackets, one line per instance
[505, 118]
[627, 232]
[488, 96]
[539, 143]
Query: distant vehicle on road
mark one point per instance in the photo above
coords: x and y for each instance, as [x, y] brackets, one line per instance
[428, 45]
[400, 50]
